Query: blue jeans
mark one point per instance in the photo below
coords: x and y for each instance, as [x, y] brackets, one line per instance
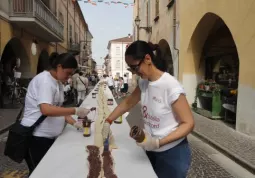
[172, 163]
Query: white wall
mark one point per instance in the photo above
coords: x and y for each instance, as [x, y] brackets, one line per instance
[118, 65]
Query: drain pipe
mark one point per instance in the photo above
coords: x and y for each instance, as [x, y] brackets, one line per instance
[175, 36]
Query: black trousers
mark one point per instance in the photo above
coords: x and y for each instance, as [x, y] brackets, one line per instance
[38, 148]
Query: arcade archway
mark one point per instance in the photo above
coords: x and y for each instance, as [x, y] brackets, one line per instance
[12, 51]
[216, 63]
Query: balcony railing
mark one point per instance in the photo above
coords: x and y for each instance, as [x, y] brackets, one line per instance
[75, 48]
[36, 9]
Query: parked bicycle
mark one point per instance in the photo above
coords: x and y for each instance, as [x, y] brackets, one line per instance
[16, 93]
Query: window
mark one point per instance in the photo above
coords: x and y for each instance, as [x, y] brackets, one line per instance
[156, 10]
[71, 33]
[117, 64]
[148, 13]
[76, 37]
[117, 50]
[60, 17]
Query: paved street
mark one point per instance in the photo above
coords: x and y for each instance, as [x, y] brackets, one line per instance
[239, 146]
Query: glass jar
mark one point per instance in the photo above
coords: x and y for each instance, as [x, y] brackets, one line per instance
[119, 120]
[86, 126]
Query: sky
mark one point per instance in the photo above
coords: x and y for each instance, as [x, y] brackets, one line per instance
[107, 22]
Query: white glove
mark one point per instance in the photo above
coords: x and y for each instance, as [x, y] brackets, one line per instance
[81, 112]
[78, 125]
[106, 130]
[150, 143]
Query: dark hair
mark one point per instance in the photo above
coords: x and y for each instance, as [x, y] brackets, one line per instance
[67, 60]
[80, 73]
[139, 49]
[52, 58]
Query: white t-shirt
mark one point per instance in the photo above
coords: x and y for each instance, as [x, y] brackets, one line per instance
[156, 99]
[110, 81]
[44, 89]
[116, 83]
[125, 79]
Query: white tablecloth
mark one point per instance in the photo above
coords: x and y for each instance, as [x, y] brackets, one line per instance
[67, 158]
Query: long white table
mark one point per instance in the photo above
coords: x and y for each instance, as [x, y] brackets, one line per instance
[67, 158]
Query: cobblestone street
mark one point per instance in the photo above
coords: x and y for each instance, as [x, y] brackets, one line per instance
[204, 167]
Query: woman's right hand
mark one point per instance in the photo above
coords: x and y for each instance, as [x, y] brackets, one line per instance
[106, 129]
[81, 112]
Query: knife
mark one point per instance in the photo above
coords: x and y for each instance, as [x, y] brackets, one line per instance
[106, 144]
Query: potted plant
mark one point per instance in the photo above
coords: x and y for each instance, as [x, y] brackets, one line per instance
[207, 86]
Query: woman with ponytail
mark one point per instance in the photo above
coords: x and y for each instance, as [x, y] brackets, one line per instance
[166, 113]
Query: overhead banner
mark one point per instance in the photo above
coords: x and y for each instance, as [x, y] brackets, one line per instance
[124, 3]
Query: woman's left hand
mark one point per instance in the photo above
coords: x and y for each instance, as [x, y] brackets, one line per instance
[78, 125]
[150, 143]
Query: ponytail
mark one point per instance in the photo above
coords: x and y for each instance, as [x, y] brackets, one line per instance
[52, 58]
[158, 60]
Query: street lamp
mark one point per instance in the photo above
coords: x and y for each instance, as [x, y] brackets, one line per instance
[137, 23]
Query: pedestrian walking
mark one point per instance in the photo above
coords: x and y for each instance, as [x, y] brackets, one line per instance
[125, 80]
[82, 85]
[45, 95]
[121, 86]
[116, 87]
[166, 113]
[74, 85]
[110, 84]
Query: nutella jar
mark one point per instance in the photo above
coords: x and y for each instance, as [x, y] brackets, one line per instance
[86, 125]
[137, 134]
[110, 101]
[80, 120]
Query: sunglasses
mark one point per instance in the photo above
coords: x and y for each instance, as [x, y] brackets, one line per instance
[135, 68]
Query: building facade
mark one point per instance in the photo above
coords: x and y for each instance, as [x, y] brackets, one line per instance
[30, 30]
[210, 42]
[116, 64]
[100, 70]
[107, 65]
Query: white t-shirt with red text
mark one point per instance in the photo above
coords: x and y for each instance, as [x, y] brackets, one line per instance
[157, 98]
